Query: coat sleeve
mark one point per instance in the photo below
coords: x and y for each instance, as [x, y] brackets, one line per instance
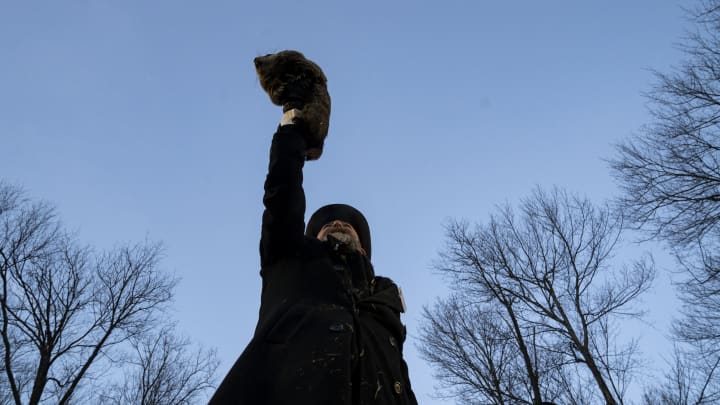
[283, 222]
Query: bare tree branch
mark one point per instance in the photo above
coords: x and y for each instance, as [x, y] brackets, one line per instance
[66, 309]
[165, 371]
[547, 279]
[670, 175]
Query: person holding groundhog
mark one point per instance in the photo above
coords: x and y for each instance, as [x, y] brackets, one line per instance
[329, 330]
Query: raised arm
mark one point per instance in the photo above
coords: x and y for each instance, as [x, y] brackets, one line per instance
[283, 221]
[299, 85]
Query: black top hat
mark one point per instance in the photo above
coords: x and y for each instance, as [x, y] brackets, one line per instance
[342, 212]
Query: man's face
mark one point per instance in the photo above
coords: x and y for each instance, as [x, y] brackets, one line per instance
[338, 226]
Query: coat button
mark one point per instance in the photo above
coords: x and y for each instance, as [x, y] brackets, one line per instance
[338, 267]
[393, 342]
[398, 387]
[337, 327]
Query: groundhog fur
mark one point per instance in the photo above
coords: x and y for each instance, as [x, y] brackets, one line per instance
[293, 81]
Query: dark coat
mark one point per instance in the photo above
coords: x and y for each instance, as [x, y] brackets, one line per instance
[329, 330]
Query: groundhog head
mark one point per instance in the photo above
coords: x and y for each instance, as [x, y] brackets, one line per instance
[278, 72]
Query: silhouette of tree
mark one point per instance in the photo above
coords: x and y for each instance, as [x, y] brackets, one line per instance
[164, 370]
[536, 298]
[670, 173]
[66, 311]
[690, 380]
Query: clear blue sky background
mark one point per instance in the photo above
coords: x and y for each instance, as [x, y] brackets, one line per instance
[145, 118]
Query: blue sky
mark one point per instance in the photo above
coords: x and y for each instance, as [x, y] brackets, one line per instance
[145, 119]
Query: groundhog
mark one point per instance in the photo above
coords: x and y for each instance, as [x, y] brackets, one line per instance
[295, 82]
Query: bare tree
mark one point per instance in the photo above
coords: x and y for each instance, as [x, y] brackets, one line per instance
[670, 173]
[482, 351]
[165, 370]
[692, 379]
[64, 309]
[547, 277]
[478, 356]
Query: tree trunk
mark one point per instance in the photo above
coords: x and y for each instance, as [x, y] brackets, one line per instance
[590, 362]
[40, 379]
[532, 375]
